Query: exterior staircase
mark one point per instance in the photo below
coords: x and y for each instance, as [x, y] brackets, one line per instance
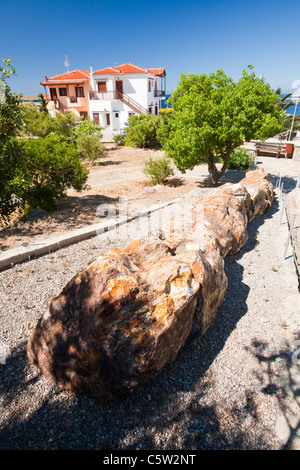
[131, 103]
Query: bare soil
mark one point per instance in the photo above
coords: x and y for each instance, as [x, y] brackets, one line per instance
[118, 174]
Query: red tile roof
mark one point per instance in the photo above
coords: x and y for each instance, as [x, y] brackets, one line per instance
[74, 75]
[129, 68]
[160, 71]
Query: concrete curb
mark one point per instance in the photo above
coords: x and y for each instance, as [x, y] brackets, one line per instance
[24, 253]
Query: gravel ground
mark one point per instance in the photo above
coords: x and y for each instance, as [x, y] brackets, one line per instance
[221, 393]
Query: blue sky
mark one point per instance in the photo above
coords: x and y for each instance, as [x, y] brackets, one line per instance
[186, 36]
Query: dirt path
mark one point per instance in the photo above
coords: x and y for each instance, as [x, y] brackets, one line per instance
[116, 180]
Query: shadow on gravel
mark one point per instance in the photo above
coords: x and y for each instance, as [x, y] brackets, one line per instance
[288, 385]
[165, 413]
[109, 162]
[288, 183]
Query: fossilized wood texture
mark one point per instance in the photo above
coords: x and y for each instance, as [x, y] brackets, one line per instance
[123, 318]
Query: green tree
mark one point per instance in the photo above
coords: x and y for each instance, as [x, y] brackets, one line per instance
[43, 104]
[282, 101]
[10, 111]
[11, 177]
[287, 124]
[10, 125]
[213, 115]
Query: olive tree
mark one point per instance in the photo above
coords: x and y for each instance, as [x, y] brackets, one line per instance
[212, 115]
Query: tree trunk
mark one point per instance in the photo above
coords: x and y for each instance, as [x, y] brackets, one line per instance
[214, 173]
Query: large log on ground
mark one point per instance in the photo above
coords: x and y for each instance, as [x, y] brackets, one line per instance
[123, 318]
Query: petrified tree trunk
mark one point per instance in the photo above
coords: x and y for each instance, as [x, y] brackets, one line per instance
[123, 318]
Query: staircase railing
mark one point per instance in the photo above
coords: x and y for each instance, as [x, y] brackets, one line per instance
[118, 95]
[131, 103]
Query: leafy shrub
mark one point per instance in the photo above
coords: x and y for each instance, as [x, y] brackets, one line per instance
[240, 159]
[163, 129]
[38, 123]
[49, 167]
[119, 139]
[88, 127]
[88, 140]
[90, 146]
[37, 173]
[141, 132]
[158, 170]
[146, 131]
[65, 124]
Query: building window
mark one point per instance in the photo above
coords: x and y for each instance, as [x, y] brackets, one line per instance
[107, 119]
[156, 109]
[150, 109]
[149, 85]
[83, 115]
[79, 92]
[62, 92]
[116, 115]
[102, 87]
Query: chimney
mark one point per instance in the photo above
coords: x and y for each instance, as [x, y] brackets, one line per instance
[91, 69]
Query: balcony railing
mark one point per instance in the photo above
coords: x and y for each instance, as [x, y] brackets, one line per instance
[159, 93]
[73, 99]
[53, 103]
[106, 95]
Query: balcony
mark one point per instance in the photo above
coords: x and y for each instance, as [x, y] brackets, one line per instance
[159, 93]
[73, 99]
[107, 95]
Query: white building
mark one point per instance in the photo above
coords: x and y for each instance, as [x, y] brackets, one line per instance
[119, 92]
